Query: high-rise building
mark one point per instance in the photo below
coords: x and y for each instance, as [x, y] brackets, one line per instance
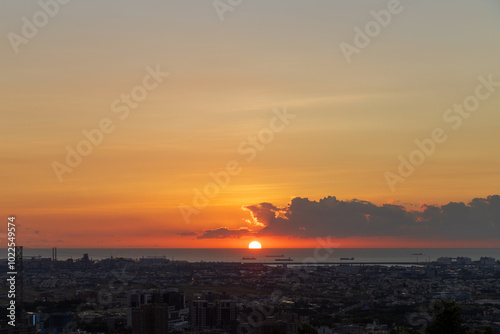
[199, 314]
[150, 319]
[226, 315]
[220, 314]
[149, 310]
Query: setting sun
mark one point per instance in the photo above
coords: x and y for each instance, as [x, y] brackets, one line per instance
[255, 245]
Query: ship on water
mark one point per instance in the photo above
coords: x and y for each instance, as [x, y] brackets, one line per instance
[289, 259]
[275, 255]
[346, 259]
[249, 258]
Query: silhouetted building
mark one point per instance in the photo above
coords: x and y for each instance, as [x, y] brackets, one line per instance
[487, 261]
[226, 315]
[150, 319]
[59, 322]
[151, 310]
[220, 314]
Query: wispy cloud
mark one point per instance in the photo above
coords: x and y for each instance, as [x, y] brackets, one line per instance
[187, 234]
[223, 232]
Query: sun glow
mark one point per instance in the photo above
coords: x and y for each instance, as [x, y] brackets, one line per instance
[255, 245]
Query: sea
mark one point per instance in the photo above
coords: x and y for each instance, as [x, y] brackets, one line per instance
[269, 254]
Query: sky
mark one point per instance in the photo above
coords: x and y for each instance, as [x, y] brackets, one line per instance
[214, 123]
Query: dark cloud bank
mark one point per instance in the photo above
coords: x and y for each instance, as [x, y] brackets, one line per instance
[479, 219]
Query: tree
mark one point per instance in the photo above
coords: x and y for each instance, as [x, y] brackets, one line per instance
[446, 319]
[403, 330]
[276, 331]
[306, 329]
[488, 330]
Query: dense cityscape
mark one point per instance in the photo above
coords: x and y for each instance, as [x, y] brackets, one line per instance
[158, 295]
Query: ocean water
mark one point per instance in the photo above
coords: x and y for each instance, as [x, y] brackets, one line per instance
[297, 254]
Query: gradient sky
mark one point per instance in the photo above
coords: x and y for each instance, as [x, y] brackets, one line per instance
[352, 122]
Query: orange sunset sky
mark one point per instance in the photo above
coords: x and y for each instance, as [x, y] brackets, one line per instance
[302, 136]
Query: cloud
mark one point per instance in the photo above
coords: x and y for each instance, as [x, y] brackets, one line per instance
[479, 219]
[223, 232]
[303, 218]
[187, 234]
[329, 216]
